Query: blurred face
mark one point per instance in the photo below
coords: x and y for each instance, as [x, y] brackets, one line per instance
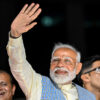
[63, 66]
[95, 76]
[6, 89]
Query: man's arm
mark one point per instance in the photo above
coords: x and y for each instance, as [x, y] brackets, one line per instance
[20, 68]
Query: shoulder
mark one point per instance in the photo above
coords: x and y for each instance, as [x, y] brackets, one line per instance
[82, 92]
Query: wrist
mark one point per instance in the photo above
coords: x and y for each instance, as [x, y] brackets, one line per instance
[14, 37]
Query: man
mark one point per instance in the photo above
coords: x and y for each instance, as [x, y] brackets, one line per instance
[65, 64]
[90, 75]
[7, 88]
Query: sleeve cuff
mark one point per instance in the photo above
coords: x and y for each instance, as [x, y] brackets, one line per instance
[15, 41]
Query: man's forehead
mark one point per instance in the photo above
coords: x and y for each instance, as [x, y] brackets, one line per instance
[63, 48]
[64, 57]
[65, 51]
[96, 64]
[4, 76]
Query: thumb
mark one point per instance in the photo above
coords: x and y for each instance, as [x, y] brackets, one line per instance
[30, 26]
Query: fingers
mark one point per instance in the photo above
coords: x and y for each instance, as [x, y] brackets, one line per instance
[24, 8]
[36, 14]
[29, 8]
[33, 10]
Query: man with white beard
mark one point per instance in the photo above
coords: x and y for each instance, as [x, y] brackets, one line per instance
[65, 64]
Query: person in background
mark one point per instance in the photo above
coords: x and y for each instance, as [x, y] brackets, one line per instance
[90, 75]
[64, 66]
[7, 88]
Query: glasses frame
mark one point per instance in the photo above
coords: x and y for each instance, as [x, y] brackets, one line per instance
[95, 69]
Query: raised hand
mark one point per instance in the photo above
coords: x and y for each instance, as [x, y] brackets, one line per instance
[25, 19]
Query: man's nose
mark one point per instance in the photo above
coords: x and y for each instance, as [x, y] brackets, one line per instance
[60, 63]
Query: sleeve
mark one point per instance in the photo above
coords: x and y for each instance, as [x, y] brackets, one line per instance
[28, 79]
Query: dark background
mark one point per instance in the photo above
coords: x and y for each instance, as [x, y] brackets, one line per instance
[66, 21]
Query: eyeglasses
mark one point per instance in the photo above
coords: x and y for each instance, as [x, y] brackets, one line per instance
[65, 61]
[97, 70]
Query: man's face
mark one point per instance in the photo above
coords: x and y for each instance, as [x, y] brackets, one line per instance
[95, 76]
[6, 89]
[63, 66]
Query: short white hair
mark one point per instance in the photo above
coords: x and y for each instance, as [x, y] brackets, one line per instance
[61, 45]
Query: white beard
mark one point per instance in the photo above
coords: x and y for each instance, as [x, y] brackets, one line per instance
[62, 79]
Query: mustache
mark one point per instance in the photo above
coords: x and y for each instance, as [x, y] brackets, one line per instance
[61, 68]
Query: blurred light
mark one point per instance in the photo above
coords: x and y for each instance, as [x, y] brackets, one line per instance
[49, 21]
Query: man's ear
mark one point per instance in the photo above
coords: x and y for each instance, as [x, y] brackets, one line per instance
[85, 77]
[13, 89]
[78, 68]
